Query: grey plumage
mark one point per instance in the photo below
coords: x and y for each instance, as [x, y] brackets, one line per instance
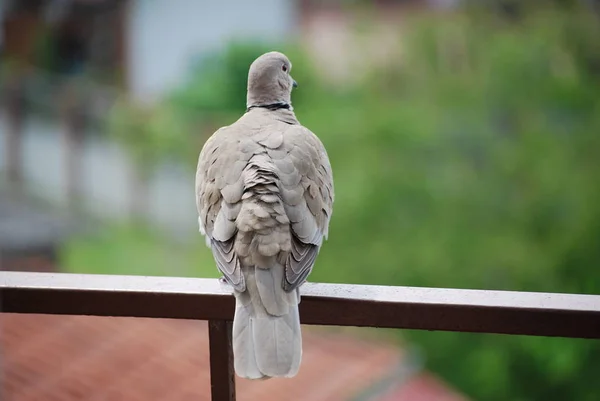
[264, 192]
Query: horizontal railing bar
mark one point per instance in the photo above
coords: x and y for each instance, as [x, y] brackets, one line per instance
[505, 312]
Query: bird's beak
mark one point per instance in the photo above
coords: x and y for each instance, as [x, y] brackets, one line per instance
[294, 83]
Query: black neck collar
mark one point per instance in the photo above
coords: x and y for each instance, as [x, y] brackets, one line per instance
[271, 106]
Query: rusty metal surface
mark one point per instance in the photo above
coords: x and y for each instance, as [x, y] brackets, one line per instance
[507, 312]
[222, 374]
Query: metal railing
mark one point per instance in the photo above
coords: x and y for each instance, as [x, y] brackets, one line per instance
[504, 312]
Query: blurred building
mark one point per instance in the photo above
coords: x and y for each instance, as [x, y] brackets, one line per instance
[70, 358]
[146, 46]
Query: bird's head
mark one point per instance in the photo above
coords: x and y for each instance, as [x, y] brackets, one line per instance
[269, 80]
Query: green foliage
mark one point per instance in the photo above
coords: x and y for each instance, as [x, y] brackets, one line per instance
[472, 162]
[135, 250]
[476, 167]
[217, 82]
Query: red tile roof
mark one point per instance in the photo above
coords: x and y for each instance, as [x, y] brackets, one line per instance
[70, 358]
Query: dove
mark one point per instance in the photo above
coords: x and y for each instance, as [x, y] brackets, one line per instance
[264, 193]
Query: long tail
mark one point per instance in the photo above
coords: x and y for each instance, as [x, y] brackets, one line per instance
[267, 341]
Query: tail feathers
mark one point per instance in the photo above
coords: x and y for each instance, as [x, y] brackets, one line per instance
[278, 344]
[244, 352]
[266, 345]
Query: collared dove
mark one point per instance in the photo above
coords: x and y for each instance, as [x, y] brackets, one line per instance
[264, 192]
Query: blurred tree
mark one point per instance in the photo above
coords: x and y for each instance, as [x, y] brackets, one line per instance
[476, 167]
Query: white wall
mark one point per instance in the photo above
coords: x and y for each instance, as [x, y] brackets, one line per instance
[165, 35]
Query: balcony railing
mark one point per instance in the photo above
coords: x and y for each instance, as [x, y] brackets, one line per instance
[504, 312]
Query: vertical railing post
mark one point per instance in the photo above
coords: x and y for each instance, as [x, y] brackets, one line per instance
[222, 375]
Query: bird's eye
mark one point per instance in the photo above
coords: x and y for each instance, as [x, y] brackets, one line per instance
[284, 68]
